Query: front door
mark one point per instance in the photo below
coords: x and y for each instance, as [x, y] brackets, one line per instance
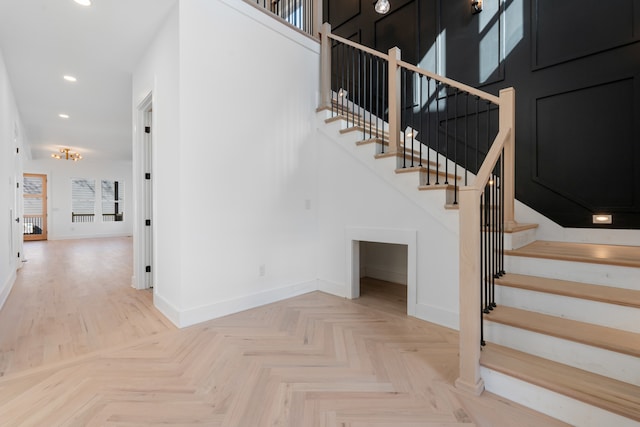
[35, 207]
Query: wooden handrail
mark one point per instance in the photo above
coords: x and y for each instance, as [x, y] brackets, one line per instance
[473, 91]
[358, 46]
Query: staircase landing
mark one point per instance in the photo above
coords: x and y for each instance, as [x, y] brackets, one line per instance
[624, 256]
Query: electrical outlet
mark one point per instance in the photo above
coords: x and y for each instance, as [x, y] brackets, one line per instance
[263, 270]
[307, 204]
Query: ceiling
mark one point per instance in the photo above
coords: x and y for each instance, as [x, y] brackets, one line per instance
[43, 40]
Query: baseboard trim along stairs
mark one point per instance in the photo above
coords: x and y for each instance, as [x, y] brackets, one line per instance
[564, 347]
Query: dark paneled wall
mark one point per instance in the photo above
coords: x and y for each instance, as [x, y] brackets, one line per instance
[575, 66]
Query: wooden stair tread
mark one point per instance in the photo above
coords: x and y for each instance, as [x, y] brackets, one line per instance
[625, 256]
[408, 156]
[516, 227]
[436, 187]
[410, 169]
[360, 128]
[586, 333]
[606, 393]
[606, 294]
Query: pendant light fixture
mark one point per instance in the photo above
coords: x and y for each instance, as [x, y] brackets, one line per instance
[382, 6]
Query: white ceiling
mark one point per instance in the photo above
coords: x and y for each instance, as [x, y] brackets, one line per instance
[42, 40]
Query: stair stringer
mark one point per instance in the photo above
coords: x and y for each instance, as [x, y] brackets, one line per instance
[356, 190]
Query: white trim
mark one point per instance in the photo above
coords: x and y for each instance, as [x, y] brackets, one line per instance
[355, 235]
[6, 288]
[337, 289]
[89, 236]
[439, 316]
[138, 277]
[196, 315]
[167, 309]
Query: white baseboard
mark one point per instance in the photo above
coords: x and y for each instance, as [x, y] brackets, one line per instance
[212, 311]
[438, 315]
[167, 309]
[6, 288]
[550, 403]
[88, 236]
[337, 289]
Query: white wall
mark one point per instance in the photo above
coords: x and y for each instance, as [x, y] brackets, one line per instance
[11, 137]
[235, 166]
[59, 174]
[353, 196]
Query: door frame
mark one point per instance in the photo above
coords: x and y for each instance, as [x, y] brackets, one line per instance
[143, 235]
[45, 233]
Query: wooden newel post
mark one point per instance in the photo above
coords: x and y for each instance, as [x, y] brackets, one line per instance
[508, 121]
[394, 99]
[325, 66]
[470, 292]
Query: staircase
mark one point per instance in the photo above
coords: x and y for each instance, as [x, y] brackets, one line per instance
[565, 337]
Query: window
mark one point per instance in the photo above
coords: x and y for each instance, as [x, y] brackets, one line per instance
[112, 201]
[83, 199]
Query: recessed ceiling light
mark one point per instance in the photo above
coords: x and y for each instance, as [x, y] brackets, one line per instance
[70, 78]
[83, 2]
[63, 116]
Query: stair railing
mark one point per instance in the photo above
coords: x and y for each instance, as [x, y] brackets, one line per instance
[452, 132]
[305, 15]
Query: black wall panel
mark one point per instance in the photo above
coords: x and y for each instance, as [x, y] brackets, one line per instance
[569, 29]
[575, 66]
[585, 173]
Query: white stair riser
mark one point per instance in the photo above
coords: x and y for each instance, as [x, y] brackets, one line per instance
[618, 366]
[519, 239]
[550, 403]
[599, 313]
[597, 274]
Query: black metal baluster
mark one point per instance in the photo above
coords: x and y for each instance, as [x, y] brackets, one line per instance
[446, 135]
[428, 140]
[477, 133]
[437, 132]
[483, 293]
[421, 118]
[370, 108]
[384, 99]
[466, 137]
[455, 148]
[403, 101]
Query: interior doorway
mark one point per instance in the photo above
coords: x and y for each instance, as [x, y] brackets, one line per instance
[143, 229]
[401, 263]
[34, 216]
[383, 275]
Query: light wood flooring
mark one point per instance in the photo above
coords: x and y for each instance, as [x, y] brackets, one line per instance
[313, 360]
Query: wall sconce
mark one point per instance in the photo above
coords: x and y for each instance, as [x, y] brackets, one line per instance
[602, 219]
[342, 94]
[477, 6]
[382, 6]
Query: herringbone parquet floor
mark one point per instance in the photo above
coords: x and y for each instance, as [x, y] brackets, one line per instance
[313, 360]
